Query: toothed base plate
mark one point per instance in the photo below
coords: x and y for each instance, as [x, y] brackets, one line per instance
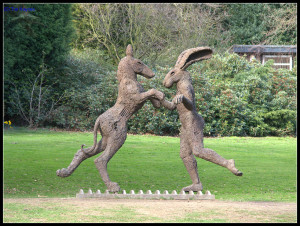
[157, 195]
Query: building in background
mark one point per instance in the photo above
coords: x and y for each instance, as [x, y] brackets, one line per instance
[283, 55]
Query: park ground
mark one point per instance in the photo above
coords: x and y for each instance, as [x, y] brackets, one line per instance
[63, 210]
[267, 192]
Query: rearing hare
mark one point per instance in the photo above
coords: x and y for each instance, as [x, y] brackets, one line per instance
[113, 123]
[192, 124]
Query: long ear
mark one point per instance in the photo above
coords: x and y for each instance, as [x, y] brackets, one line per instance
[129, 50]
[190, 56]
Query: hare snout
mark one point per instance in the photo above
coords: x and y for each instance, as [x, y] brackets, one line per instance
[147, 72]
[168, 82]
[167, 85]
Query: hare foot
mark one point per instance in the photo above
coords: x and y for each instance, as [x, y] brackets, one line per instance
[63, 172]
[231, 167]
[112, 186]
[193, 187]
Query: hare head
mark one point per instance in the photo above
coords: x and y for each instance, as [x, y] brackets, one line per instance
[131, 65]
[185, 59]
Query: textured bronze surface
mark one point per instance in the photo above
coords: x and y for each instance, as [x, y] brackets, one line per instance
[113, 123]
[192, 124]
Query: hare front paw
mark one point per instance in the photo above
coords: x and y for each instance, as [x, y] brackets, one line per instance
[160, 96]
[178, 99]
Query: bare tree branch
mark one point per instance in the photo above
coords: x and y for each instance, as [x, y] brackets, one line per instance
[19, 103]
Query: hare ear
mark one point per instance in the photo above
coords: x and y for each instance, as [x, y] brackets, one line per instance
[190, 56]
[129, 50]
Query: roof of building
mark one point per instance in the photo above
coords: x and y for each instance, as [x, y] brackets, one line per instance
[264, 49]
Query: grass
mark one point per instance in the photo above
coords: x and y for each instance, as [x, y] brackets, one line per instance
[146, 162]
[56, 210]
[53, 213]
[21, 213]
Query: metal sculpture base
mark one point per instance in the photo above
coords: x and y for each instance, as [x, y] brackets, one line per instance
[157, 195]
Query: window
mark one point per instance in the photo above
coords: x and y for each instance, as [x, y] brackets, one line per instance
[280, 61]
[252, 57]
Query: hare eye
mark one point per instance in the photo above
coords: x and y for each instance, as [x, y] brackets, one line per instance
[172, 73]
[139, 63]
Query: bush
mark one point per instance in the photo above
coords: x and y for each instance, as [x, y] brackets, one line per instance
[235, 97]
[90, 90]
[281, 122]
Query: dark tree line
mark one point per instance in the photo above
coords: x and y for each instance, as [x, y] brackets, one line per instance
[36, 44]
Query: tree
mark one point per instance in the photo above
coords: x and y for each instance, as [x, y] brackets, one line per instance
[156, 31]
[282, 24]
[268, 24]
[30, 38]
[35, 103]
[246, 23]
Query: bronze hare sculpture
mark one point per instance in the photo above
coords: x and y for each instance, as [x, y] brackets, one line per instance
[113, 123]
[192, 124]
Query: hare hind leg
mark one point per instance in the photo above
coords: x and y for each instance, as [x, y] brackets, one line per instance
[211, 156]
[190, 164]
[231, 167]
[113, 145]
[81, 156]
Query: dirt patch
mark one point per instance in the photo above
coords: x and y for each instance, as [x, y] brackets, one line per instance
[120, 210]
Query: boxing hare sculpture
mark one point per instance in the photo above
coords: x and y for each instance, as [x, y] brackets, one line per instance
[192, 124]
[113, 123]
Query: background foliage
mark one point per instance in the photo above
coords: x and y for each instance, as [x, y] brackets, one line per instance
[63, 58]
[33, 41]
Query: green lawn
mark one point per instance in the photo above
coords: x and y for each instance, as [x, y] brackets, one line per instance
[146, 162]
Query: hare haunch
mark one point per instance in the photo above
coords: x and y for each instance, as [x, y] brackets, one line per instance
[113, 123]
[192, 124]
